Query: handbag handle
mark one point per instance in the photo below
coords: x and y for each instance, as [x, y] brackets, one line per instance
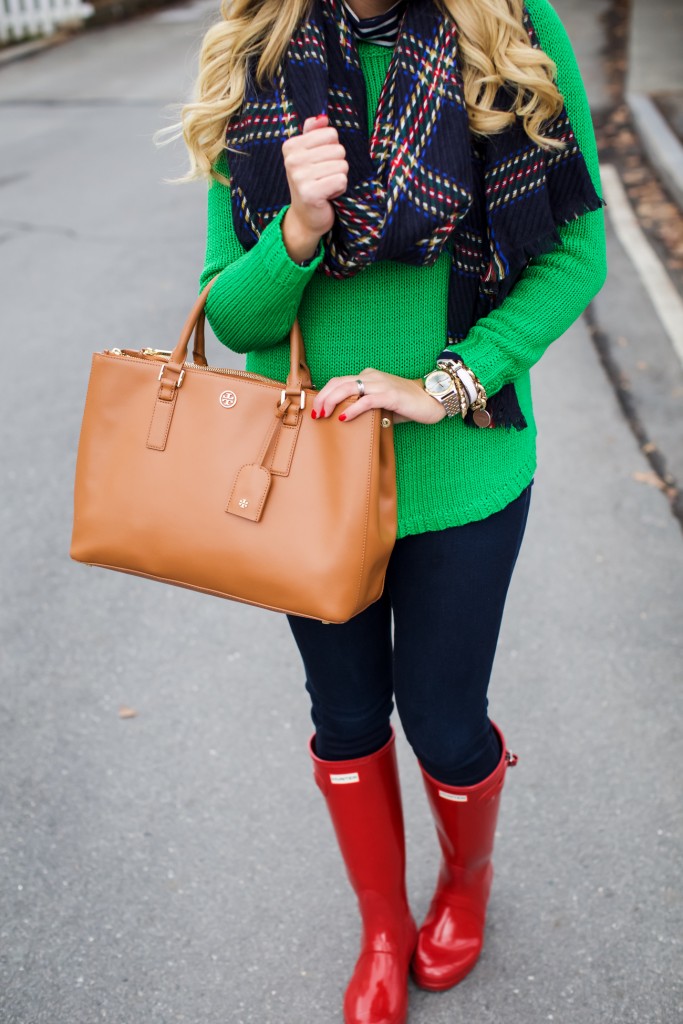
[299, 376]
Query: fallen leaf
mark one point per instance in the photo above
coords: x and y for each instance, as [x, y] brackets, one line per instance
[626, 137]
[651, 479]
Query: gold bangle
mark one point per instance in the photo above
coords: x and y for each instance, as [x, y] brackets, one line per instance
[462, 395]
[480, 415]
[481, 391]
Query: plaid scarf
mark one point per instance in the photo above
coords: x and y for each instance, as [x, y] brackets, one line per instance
[424, 181]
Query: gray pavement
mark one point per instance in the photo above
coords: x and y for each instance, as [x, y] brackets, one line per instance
[179, 866]
[644, 367]
[654, 86]
[582, 19]
[654, 58]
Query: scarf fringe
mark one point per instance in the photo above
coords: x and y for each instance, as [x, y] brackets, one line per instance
[504, 409]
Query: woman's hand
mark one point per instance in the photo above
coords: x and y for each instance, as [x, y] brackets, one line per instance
[317, 171]
[407, 399]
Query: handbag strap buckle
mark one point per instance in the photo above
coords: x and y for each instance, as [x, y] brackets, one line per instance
[301, 394]
[181, 376]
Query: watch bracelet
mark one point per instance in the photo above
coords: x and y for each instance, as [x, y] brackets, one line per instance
[460, 393]
[451, 402]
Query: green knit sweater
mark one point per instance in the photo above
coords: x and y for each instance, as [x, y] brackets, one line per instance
[392, 317]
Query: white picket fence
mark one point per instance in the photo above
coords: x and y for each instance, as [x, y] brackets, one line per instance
[21, 19]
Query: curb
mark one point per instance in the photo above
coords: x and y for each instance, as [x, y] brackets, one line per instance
[106, 12]
[659, 142]
[19, 51]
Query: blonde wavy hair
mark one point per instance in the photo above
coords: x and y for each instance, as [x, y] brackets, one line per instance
[494, 49]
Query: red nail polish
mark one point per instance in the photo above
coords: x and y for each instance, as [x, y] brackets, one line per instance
[314, 414]
[322, 414]
[343, 416]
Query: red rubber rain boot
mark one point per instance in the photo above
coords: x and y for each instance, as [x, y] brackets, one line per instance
[364, 802]
[452, 936]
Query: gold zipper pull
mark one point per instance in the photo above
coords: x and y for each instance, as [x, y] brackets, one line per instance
[156, 351]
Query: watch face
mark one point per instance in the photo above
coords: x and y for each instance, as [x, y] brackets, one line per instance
[438, 382]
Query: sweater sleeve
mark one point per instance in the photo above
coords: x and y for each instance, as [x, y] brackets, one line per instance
[555, 288]
[255, 300]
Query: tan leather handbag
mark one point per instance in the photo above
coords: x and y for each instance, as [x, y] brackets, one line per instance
[220, 480]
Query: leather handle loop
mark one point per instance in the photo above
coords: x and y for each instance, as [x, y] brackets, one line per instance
[299, 373]
[196, 314]
[299, 376]
[198, 356]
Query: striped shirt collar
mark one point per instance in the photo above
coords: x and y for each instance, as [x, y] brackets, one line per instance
[382, 29]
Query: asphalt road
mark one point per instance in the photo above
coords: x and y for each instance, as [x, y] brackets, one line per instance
[178, 866]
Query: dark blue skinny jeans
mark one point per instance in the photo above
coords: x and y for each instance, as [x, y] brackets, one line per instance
[446, 591]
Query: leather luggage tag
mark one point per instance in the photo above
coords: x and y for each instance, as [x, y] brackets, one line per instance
[249, 492]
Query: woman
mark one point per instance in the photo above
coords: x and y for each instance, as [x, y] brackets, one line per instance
[418, 183]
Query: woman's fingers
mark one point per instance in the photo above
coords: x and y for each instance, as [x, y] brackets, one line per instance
[302, 159]
[299, 170]
[315, 122]
[316, 171]
[310, 124]
[351, 411]
[311, 139]
[361, 406]
[320, 190]
[407, 399]
[330, 151]
[337, 390]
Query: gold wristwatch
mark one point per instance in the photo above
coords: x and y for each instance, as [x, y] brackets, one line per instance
[440, 385]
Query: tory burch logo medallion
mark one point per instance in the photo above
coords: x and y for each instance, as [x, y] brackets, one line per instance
[227, 399]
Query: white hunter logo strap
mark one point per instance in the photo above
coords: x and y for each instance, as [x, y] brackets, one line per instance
[343, 779]
[458, 798]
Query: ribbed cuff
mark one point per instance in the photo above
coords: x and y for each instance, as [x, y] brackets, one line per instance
[275, 250]
[479, 357]
[255, 299]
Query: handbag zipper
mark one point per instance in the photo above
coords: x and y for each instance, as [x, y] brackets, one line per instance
[146, 353]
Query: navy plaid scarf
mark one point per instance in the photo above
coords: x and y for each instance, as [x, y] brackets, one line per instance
[423, 181]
